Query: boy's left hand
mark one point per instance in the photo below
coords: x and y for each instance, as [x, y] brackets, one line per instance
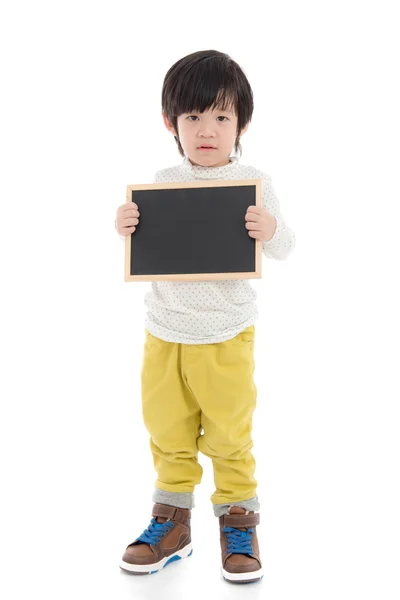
[260, 223]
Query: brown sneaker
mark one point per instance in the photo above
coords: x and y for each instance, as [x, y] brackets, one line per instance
[239, 546]
[166, 539]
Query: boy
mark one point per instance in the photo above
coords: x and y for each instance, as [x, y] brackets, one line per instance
[198, 391]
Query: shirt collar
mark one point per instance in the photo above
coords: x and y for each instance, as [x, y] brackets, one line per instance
[201, 172]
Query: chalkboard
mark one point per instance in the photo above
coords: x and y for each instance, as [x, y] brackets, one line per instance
[193, 231]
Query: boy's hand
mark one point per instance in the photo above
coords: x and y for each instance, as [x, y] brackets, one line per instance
[127, 218]
[261, 223]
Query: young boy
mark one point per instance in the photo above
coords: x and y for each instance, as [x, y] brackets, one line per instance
[198, 391]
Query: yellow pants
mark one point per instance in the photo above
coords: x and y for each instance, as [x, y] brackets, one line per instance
[201, 397]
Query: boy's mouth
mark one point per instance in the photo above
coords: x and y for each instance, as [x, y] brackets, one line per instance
[206, 148]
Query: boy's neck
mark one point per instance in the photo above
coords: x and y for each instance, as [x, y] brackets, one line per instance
[218, 165]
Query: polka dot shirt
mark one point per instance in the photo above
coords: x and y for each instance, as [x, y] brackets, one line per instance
[205, 312]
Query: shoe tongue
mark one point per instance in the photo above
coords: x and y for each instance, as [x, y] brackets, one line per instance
[238, 510]
[160, 519]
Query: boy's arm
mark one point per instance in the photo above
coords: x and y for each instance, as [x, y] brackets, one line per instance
[284, 240]
[123, 237]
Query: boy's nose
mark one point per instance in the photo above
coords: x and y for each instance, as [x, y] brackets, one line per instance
[206, 138]
[206, 132]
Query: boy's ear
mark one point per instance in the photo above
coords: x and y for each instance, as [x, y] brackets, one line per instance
[168, 125]
[245, 128]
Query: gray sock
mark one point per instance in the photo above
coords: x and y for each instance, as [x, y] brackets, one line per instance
[179, 499]
[223, 509]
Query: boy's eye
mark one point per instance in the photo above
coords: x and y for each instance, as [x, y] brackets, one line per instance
[195, 117]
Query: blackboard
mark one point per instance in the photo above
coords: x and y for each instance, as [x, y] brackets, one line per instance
[193, 231]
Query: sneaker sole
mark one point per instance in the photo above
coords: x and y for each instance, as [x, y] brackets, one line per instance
[155, 567]
[250, 577]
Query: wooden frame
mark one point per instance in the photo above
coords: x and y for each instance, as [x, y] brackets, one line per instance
[195, 276]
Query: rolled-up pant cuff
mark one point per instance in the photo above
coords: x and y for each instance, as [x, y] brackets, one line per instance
[178, 499]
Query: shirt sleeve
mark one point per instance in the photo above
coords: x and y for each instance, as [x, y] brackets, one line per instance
[284, 240]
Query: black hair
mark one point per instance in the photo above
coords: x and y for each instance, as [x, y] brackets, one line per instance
[203, 80]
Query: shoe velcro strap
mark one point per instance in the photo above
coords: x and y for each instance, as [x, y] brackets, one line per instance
[238, 521]
[162, 510]
[179, 515]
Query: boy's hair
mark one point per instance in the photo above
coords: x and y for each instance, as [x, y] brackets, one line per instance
[203, 80]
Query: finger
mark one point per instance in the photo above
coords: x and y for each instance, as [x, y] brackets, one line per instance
[129, 205]
[132, 212]
[252, 216]
[128, 230]
[255, 234]
[255, 209]
[130, 222]
[253, 226]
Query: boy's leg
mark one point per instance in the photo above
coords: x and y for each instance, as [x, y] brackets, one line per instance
[221, 376]
[172, 417]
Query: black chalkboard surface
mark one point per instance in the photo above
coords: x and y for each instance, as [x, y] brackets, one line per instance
[193, 231]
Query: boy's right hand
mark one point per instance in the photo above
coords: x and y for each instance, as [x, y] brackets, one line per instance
[127, 218]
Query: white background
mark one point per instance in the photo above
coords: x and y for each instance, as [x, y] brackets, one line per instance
[80, 120]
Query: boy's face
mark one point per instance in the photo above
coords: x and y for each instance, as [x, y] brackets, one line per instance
[215, 127]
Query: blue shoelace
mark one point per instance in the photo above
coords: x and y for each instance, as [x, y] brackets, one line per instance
[154, 532]
[239, 542]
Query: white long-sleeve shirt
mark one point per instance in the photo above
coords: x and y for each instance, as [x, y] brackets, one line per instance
[205, 312]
